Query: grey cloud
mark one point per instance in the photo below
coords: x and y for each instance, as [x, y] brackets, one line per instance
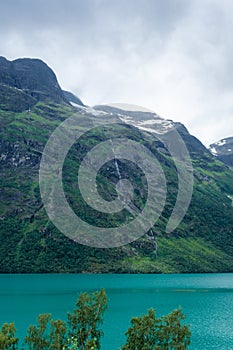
[174, 56]
[93, 19]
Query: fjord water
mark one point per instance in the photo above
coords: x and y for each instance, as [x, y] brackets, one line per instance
[206, 300]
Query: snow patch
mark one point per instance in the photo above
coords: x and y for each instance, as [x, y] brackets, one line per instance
[94, 112]
[89, 110]
[213, 151]
[75, 105]
[17, 88]
[143, 119]
[221, 142]
[160, 125]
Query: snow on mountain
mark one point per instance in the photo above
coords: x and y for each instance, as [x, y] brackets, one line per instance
[223, 150]
[137, 116]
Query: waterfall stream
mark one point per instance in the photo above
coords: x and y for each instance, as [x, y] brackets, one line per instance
[117, 168]
[132, 208]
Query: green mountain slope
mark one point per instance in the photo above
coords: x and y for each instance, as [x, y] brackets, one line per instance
[203, 242]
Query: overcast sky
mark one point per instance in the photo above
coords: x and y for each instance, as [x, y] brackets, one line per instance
[172, 56]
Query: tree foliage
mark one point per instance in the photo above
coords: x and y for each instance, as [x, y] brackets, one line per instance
[47, 335]
[150, 333]
[86, 318]
[82, 330]
[8, 340]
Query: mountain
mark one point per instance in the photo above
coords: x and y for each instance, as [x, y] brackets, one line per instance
[32, 105]
[223, 150]
[25, 81]
[72, 98]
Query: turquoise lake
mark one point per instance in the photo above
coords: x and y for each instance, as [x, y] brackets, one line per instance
[206, 300]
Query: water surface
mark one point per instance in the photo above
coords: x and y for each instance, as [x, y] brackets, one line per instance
[206, 300]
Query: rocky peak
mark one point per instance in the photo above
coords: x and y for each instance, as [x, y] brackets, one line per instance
[223, 150]
[25, 81]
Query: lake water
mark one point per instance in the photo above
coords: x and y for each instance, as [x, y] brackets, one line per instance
[206, 300]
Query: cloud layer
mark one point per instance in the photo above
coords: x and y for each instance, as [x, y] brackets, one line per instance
[172, 56]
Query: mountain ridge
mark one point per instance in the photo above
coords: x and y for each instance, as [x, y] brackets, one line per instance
[29, 80]
[203, 242]
[223, 150]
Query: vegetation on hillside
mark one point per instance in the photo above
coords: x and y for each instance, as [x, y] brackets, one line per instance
[31, 107]
[30, 243]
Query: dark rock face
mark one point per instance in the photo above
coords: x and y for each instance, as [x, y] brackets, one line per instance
[227, 159]
[25, 81]
[14, 99]
[72, 98]
[6, 76]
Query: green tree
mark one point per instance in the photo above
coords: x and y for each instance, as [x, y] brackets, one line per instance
[48, 334]
[87, 317]
[58, 335]
[82, 331]
[83, 327]
[8, 340]
[151, 333]
[37, 335]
